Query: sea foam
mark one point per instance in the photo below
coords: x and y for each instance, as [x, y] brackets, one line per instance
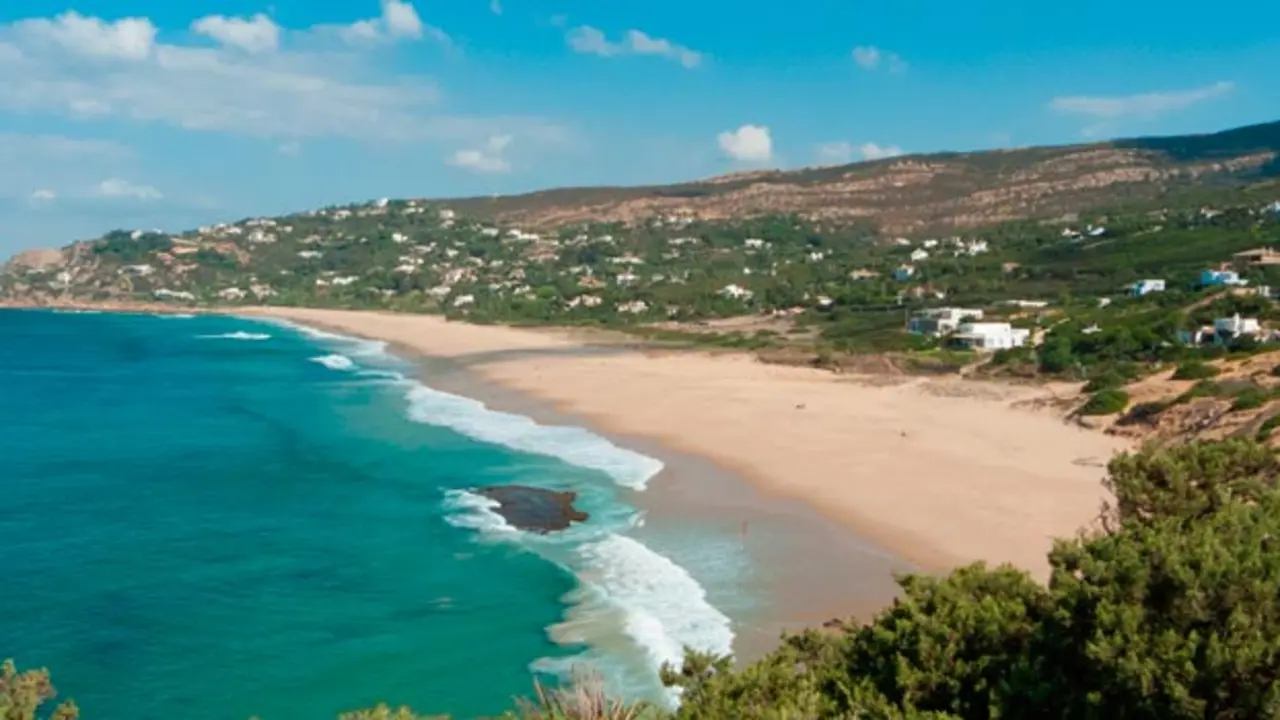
[576, 446]
[661, 607]
[666, 609]
[335, 361]
[237, 335]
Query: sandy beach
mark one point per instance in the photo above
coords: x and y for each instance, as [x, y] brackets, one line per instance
[940, 471]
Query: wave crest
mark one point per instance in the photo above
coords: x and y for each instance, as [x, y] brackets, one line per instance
[237, 335]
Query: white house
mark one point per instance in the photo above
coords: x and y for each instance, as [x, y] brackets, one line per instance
[990, 336]
[1235, 325]
[918, 255]
[736, 292]
[941, 321]
[1210, 278]
[463, 300]
[1142, 287]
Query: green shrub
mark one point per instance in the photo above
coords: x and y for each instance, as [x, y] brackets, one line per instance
[1195, 370]
[1146, 412]
[1128, 627]
[1204, 388]
[1250, 399]
[1266, 428]
[1106, 380]
[1106, 402]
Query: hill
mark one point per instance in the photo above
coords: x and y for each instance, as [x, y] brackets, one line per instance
[802, 283]
[923, 193]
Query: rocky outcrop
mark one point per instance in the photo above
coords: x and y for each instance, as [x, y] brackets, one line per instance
[534, 509]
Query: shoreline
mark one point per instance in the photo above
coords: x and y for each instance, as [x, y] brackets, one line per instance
[695, 491]
[941, 472]
[1022, 477]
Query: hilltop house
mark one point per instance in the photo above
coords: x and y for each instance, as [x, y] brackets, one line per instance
[1223, 330]
[1212, 278]
[941, 321]
[990, 336]
[904, 272]
[1142, 287]
[1257, 257]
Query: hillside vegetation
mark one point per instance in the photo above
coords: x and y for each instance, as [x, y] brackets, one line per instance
[1166, 611]
[791, 284]
[939, 192]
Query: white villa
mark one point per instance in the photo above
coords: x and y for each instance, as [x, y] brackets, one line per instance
[990, 336]
[1142, 287]
[941, 321]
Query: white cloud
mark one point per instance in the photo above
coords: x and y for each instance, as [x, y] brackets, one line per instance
[117, 189]
[256, 34]
[88, 68]
[591, 41]
[291, 148]
[399, 20]
[870, 57]
[837, 152]
[872, 151]
[125, 39]
[43, 196]
[488, 159]
[1142, 105]
[841, 152]
[749, 143]
[866, 56]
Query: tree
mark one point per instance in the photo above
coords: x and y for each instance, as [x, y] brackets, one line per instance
[1187, 482]
[1170, 612]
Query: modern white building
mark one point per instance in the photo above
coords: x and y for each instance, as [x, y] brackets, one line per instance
[990, 336]
[1142, 287]
[941, 321]
[1235, 325]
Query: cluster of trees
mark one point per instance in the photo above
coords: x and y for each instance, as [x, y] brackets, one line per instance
[1167, 610]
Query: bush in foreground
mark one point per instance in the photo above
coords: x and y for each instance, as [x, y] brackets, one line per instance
[1167, 612]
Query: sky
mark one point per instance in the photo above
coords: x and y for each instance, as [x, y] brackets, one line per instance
[168, 115]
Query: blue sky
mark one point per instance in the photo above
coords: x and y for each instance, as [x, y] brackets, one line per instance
[142, 113]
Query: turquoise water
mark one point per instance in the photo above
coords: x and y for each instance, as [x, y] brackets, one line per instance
[211, 517]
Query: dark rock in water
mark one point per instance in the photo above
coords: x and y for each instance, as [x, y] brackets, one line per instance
[534, 509]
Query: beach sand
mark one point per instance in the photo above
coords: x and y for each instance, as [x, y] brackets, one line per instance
[941, 471]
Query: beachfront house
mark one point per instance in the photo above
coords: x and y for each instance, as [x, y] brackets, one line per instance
[990, 336]
[1221, 278]
[1142, 287]
[941, 321]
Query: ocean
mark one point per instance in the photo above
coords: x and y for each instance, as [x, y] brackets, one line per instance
[213, 517]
